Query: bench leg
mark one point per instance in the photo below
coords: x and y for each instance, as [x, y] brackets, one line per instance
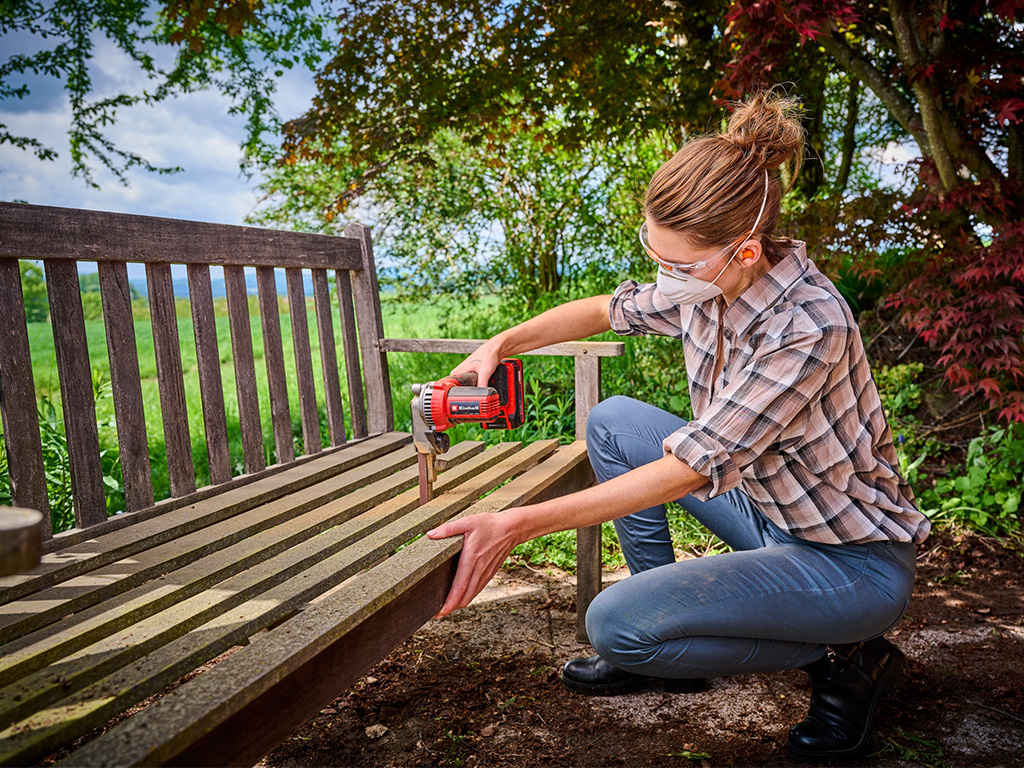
[588, 575]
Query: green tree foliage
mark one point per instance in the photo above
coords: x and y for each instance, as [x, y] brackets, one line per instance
[232, 46]
[524, 219]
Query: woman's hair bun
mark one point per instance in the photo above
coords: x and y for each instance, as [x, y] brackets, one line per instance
[767, 127]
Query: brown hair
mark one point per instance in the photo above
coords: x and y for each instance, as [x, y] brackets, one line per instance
[712, 188]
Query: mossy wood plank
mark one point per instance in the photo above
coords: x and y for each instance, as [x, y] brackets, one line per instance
[303, 361]
[68, 539]
[47, 232]
[211, 388]
[328, 357]
[245, 370]
[350, 345]
[20, 617]
[77, 400]
[126, 385]
[124, 542]
[85, 709]
[33, 651]
[170, 379]
[233, 714]
[18, 413]
[273, 355]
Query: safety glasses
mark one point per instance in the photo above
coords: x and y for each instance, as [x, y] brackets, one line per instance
[675, 267]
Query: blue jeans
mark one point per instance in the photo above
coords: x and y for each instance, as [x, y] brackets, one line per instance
[774, 602]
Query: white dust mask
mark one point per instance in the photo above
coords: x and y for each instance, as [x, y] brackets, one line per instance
[681, 288]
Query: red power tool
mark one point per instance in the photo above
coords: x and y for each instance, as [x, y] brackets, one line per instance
[438, 405]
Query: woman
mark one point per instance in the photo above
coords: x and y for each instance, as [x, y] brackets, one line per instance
[788, 458]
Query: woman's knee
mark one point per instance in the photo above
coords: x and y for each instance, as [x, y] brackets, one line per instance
[606, 415]
[612, 628]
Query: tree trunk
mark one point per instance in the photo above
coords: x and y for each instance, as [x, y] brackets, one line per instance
[849, 137]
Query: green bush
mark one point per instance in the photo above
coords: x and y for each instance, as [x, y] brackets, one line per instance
[987, 494]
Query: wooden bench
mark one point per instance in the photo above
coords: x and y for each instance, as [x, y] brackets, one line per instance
[312, 563]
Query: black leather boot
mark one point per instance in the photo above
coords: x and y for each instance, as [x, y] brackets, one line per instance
[593, 676]
[847, 684]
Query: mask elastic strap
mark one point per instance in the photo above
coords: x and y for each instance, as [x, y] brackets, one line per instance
[753, 229]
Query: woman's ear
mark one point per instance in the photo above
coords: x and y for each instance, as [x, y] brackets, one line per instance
[751, 253]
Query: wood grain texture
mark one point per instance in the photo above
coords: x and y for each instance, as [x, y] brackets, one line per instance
[468, 346]
[242, 494]
[588, 391]
[75, 373]
[273, 355]
[354, 515]
[245, 370]
[328, 357]
[126, 385]
[211, 388]
[303, 361]
[366, 294]
[43, 232]
[350, 345]
[22, 441]
[299, 661]
[173, 407]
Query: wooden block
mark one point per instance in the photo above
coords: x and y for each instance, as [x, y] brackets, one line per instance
[21, 539]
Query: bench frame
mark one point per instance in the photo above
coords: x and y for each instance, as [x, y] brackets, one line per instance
[61, 238]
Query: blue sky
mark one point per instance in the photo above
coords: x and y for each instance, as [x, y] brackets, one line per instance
[193, 131]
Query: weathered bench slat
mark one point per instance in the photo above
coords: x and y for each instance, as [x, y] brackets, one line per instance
[36, 649]
[77, 536]
[366, 293]
[126, 541]
[211, 388]
[18, 395]
[273, 353]
[231, 715]
[218, 634]
[328, 357]
[303, 360]
[75, 594]
[350, 345]
[68, 322]
[366, 537]
[45, 232]
[245, 370]
[173, 409]
[126, 385]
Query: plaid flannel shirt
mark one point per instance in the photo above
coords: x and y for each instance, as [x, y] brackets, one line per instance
[794, 417]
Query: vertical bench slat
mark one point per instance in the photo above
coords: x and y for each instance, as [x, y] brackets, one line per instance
[76, 393]
[328, 357]
[18, 400]
[303, 360]
[371, 331]
[123, 354]
[350, 345]
[245, 369]
[273, 354]
[178, 442]
[211, 388]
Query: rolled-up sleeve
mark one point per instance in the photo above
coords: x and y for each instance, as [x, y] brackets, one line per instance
[751, 412]
[637, 309]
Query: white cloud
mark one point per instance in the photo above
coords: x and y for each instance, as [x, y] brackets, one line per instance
[193, 131]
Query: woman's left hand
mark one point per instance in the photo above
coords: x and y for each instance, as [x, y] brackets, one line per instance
[489, 540]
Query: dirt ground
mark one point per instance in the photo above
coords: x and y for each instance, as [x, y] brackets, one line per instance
[481, 688]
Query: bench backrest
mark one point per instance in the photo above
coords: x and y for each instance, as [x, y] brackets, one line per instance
[62, 238]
